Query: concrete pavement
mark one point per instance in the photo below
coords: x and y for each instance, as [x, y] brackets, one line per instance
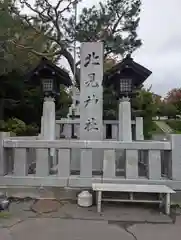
[5, 234]
[67, 221]
[56, 229]
[67, 229]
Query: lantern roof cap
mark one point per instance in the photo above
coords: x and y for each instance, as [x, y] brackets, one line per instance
[141, 73]
[44, 67]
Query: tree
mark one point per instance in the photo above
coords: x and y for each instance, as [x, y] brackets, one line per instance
[13, 62]
[17, 98]
[50, 31]
[11, 28]
[109, 63]
[110, 104]
[167, 109]
[115, 23]
[145, 102]
[174, 97]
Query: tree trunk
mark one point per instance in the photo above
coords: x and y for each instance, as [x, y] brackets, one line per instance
[70, 60]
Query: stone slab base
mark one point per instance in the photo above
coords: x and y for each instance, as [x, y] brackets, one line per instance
[59, 193]
[41, 192]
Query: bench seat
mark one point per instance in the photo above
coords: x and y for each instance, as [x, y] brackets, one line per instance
[132, 188]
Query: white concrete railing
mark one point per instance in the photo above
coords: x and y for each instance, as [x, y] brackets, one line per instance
[114, 128]
[21, 156]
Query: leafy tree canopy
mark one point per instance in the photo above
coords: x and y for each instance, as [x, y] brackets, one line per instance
[115, 23]
[14, 30]
[17, 98]
[174, 97]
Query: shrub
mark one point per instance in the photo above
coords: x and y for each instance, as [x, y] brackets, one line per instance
[175, 125]
[18, 127]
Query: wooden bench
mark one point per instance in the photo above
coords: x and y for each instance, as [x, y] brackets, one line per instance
[132, 188]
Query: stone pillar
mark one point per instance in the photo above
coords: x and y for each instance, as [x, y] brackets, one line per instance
[175, 157]
[139, 129]
[41, 130]
[77, 130]
[57, 131]
[91, 97]
[48, 122]
[114, 131]
[125, 130]
[3, 158]
[68, 130]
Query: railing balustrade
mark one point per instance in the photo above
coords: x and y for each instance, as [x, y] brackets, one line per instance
[30, 160]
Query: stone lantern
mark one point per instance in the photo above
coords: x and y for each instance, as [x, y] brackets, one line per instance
[126, 77]
[49, 77]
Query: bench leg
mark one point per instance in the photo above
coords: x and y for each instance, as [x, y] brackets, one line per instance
[131, 196]
[99, 199]
[167, 204]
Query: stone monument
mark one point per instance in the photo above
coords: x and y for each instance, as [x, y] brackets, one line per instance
[91, 97]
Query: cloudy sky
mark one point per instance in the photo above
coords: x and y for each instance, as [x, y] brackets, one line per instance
[160, 31]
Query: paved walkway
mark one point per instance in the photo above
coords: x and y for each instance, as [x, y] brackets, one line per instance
[67, 229]
[69, 222]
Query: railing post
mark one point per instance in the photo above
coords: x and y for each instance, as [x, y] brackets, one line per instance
[42, 163]
[57, 131]
[131, 164]
[114, 131]
[176, 156]
[64, 163]
[20, 162]
[154, 164]
[139, 129]
[109, 164]
[3, 163]
[86, 163]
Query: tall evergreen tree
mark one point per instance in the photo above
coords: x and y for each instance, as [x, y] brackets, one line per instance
[115, 23]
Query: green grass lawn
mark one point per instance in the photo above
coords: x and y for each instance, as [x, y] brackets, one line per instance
[5, 214]
[175, 125]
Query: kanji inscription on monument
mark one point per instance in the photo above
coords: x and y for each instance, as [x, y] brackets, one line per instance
[91, 99]
[92, 58]
[91, 124]
[91, 82]
[91, 91]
